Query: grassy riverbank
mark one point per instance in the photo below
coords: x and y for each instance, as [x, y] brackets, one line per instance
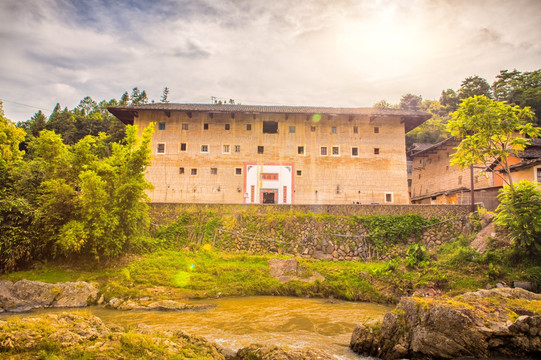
[204, 272]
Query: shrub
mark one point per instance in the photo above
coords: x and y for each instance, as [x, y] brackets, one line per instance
[520, 212]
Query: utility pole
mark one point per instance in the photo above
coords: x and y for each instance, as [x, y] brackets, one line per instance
[472, 190]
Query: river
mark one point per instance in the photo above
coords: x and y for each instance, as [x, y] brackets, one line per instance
[237, 322]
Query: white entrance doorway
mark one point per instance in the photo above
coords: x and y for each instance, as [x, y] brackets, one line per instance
[268, 184]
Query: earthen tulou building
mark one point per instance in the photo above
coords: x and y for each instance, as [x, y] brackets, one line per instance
[244, 154]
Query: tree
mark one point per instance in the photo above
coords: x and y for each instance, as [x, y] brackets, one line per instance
[474, 85]
[432, 130]
[410, 102]
[124, 99]
[382, 104]
[449, 99]
[520, 212]
[164, 95]
[490, 131]
[10, 138]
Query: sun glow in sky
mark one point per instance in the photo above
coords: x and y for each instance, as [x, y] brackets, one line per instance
[350, 53]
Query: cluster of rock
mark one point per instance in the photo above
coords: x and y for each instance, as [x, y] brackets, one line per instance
[479, 324]
[160, 305]
[25, 295]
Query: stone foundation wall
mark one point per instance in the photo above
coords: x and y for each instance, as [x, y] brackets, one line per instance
[266, 229]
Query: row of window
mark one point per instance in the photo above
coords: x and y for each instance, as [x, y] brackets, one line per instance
[269, 127]
[238, 171]
[226, 149]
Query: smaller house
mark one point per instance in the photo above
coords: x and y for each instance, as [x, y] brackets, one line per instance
[435, 181]
[526, 165]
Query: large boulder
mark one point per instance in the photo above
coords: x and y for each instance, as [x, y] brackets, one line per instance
[25, 295]
[479, 324]
[267, 352]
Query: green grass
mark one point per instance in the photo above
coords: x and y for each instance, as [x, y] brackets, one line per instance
[176, 274]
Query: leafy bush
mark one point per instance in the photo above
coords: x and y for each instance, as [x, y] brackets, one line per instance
[520, 212]
[416, 256]
[393, 229]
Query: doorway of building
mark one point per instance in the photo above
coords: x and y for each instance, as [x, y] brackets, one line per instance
[269, 196]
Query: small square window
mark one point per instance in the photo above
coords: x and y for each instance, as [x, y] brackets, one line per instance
[204, 148]
[312, 128]
[376, 151]
[183, 146]
[260, 149]
[354, 151]
[336, 151]
[388, 197]
[160, 149]
[299, 172]
[323, 151]
[228, 126]
[237, 148]
[226, 149]
[214, 171]
[205, 126]
[161, 126]
[300, 150]
[292, 129]
[238, 171]
[184, 126]
[333, 130]
[355, 129]
[181, 170]
[194, 172]
[376, 130]
[248, 127]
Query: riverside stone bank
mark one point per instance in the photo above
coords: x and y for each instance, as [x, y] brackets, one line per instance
[321, 232]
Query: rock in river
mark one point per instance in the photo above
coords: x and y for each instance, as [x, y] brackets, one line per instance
[497, 322]
[25, 295]
[266, 352]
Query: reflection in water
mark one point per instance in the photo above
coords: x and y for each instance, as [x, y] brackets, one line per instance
[281, 321]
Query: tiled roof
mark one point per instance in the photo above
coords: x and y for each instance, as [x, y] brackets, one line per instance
[424, 148]
[413, 118]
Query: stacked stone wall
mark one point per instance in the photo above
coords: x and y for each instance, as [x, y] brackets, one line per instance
[331, 235]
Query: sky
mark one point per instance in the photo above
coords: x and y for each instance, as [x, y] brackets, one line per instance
[341, 53]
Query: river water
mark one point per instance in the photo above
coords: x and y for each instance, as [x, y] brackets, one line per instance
[282, 321]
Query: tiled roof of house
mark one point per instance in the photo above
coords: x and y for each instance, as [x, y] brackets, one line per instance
[425, 148]
[127, 113]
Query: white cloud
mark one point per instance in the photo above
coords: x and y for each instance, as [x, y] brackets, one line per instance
[339, 53]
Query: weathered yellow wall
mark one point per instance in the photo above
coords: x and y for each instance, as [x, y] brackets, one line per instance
[365, 178]
[433, 174]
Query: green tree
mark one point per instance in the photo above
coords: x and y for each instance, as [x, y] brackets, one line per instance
[410, 102]
[449, 99]
[490, 131]
[382, 104]
[10, 138]
[472, 86]
[165, 94]
[520, 212]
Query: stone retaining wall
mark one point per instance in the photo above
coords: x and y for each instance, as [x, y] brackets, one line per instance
[276, 229]
[165, 213]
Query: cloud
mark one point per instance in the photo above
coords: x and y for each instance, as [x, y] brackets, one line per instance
[320, 52]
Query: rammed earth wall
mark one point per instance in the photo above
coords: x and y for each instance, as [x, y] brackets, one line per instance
[321, 232]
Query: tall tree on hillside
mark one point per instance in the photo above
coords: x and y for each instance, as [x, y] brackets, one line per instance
[124, 99]
[164, 95]
[474, 85]
[383, 104]
[449, 99]
[410, 102]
